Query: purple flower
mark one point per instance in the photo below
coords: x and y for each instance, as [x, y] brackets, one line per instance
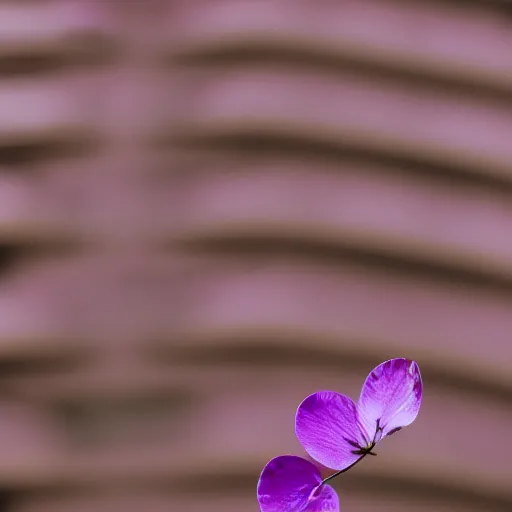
[337, 433]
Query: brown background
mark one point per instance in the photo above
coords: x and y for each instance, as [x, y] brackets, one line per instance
[210, 209]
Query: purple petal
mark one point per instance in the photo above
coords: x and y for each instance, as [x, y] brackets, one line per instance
[327, 427]
[325, 501]
[391, 396]
[287, 483]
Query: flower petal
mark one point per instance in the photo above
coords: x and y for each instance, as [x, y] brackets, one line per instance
[327, 427]
[326, 501]
[391, 395]
[287, 483]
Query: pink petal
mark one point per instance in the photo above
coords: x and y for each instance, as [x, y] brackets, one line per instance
[291, 484]
[391, 396]
[326, 425]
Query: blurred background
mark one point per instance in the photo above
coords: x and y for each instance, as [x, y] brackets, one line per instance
[211, 209]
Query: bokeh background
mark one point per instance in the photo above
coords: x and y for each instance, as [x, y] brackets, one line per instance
[210, 209]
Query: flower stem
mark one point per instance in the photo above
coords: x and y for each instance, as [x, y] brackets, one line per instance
[334, 475]
[363, 451]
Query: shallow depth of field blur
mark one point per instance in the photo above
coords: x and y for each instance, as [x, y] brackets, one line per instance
[210, 209]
